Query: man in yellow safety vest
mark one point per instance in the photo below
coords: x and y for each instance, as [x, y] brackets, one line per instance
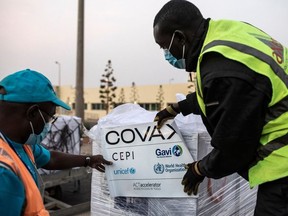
[241, 94]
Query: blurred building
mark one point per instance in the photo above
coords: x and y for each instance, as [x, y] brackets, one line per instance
[150, 97]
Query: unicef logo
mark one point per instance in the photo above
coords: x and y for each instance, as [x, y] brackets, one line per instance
[132, 170]
[177, 150]
[126, 171]
[158, 168]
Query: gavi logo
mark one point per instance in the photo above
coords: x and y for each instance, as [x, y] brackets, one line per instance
[176, 150]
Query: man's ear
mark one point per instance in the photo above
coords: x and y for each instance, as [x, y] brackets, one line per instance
[180, 36]
[32, 111]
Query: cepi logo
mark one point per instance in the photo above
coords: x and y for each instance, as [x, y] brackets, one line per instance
[158, 168]
[176, 150]
[126, 171]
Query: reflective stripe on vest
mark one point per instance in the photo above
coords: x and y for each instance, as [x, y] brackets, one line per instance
[33, 200]
[280, 107]
[266, 63]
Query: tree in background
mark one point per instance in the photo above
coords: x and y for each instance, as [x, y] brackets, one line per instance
[134, 94]
[121, 98]
[107, 88]
[160, 98]
[192, 82]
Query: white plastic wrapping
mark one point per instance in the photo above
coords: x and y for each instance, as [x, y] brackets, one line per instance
[227, 196]
[64, 135]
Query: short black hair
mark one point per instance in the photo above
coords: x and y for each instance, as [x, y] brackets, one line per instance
[178, 14]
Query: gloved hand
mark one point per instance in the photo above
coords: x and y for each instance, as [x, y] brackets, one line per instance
[168, 113]
[192, 178]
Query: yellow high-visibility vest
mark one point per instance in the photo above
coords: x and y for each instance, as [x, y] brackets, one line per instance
[252, 47]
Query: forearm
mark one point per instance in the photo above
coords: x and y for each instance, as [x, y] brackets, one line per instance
[224, 162]
[189, 105]
[60, 161]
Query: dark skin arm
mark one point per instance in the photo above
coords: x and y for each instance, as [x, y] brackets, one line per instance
[60, 161]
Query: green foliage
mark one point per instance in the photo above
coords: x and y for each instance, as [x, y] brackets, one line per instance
[107, 88]
[160, 97]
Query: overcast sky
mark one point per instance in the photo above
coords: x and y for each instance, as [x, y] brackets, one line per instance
[36, 33]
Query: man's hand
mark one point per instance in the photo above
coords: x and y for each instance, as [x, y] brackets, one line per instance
[98, 162]
[168, 113]
[192, 178]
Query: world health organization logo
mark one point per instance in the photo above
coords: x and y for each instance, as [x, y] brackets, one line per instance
[177, 150]
[158, 168]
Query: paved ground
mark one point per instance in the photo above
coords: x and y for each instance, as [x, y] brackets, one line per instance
[74, 193]
[70, 194]
[72, 197]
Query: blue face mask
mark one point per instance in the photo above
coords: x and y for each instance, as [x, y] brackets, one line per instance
[37, 138]
[178, 63]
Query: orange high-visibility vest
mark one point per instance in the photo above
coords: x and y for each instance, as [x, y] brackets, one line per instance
[33, 200]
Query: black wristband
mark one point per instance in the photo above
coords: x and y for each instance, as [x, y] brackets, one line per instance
[87, 161]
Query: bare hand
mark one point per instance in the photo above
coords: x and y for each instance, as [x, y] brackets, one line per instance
[98, 162]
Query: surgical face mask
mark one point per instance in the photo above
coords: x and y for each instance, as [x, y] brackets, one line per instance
[37, 138]
[178, 63]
